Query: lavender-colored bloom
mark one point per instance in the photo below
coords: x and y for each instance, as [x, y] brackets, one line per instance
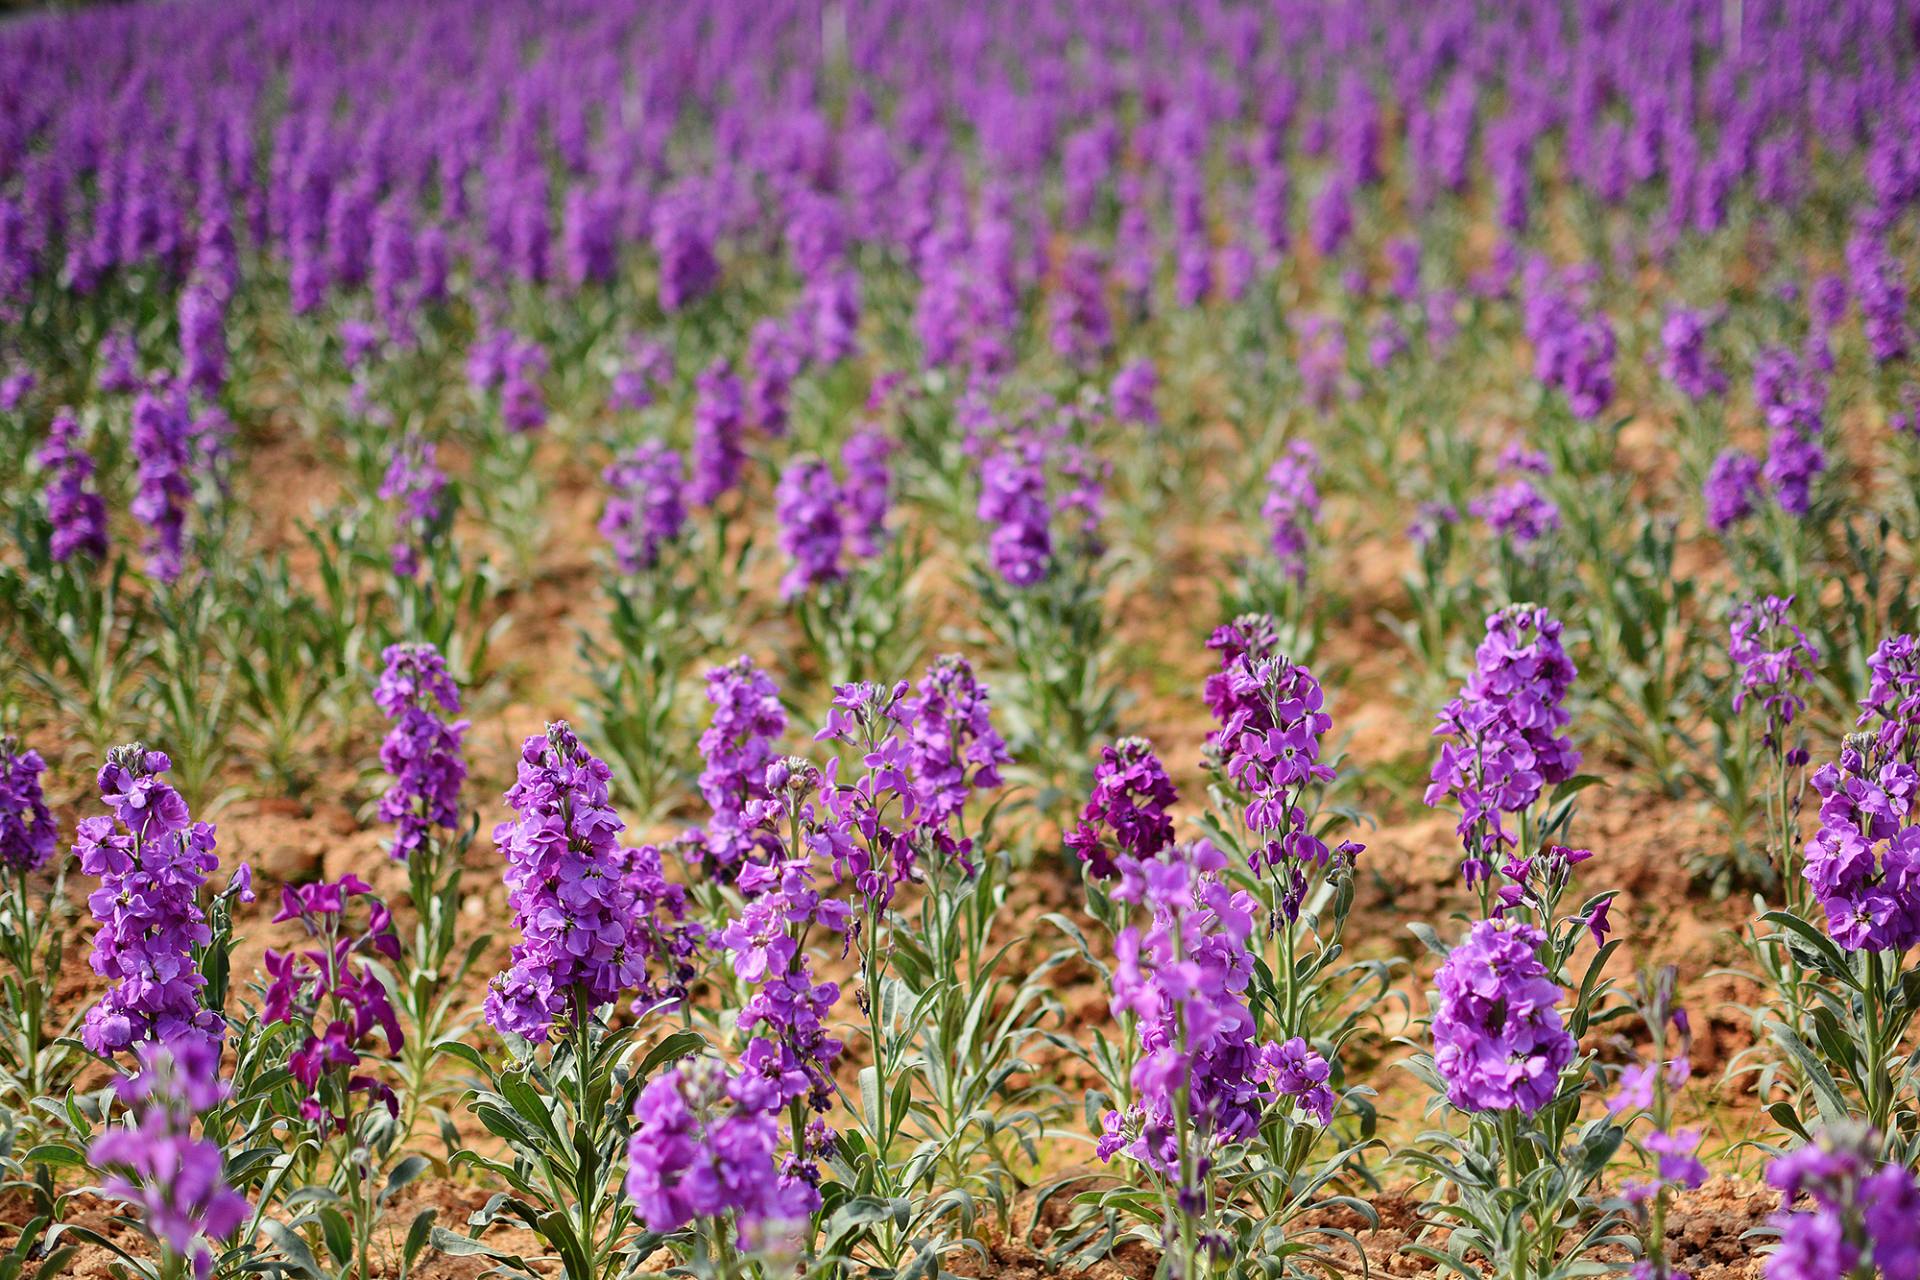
[1013, 501]
[698, 1151]
[1792, 397]
[646, 505]
[582, 940]
[203, 338]
[1775, 663]
[74, 509]
[719, 454]
[647, 371]
[1499, 1042]
[1503, 743]
[14, 388]
[1330, 221]
[162, 448]
[1132, 393]
[119, 362]
[868, 491]
[737, 747]
[1292, 506]
[1685, 360]
[951, 748]
[523, 404]
[807, 504]
[1082, 329]
[1127, 813]
[683, 244]
[175, 1182]
[1845, 1213]
[1881, 294]
[151, 870]
[1184, 979]
[776, 357]
[1518, 513]
[422, 751]
[416, 486]
[28, 832]
[1732, 489]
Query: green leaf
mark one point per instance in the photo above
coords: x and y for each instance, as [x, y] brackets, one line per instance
[295, 1250]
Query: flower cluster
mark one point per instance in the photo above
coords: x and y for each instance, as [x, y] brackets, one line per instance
[1014, 503]
[175, 1181]
[416, 487]
[646, 505]
[1292, 506]
[737, 748]
[1184, 978]
[74, 507]
[1499, 1043]
[330, 994]
[583, 936]
[812, 532]
[162, 444]
[1792, 397]
[1269, 748]
[151, 869]
[868, 491]
[704, 1147]
[719, 426]
[1685, 360]
[1775, 663]
[1127, 815]
[1732, 489]
[1860, 1217]
[422, 751]
[28, 832]
[1502, 734]
[951, 748]
[1132, 392]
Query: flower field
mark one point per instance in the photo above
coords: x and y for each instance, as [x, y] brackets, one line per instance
[872, 638]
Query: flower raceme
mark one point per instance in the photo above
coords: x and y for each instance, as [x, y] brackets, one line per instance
[28, 833]
[153, 1162]
[1499, 1042]
[1502, 741]
[152, 859]
[422, 751]
[1775, 663]
[1845, 1214]
[1128, 813]
[588, 932]
[330, 992]
[1184, 976]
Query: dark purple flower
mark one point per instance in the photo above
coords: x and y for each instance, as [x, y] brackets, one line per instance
[1499, 1042]
[646, 505]
[74, 507]
[422, 751]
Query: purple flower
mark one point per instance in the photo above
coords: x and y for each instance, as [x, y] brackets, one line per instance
[119, 362]
[151, 866]
[1844, 1212]
[1292, 506]
[1775, 663]
[701, 1149]
[162, 444]
[951, 749]
[1792, 397]
[682, 241]
[1499, 1043]
[1082, 329]
[808, 506]
[416, 486]
[737, 748]
[584, 937]
[28, 832]
[719, 455]
[646, 505]
[1685, 360]
[422, 751]
[1503, 743]
[1127, 814]
[868, 491]
[777, 358]
[648, 370]
[203, 338]
[176, 1183]
[74, 508]
[1184, 978]
[332, 997]
[1881, 293]
[1132, 393]
[1732, 489]
[1518, 513]
[1013, 501]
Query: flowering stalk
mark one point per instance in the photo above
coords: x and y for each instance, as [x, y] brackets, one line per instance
[32, 938]
[1845, 1215]
[334, 999]
[1647, 1088]
[422, 753]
